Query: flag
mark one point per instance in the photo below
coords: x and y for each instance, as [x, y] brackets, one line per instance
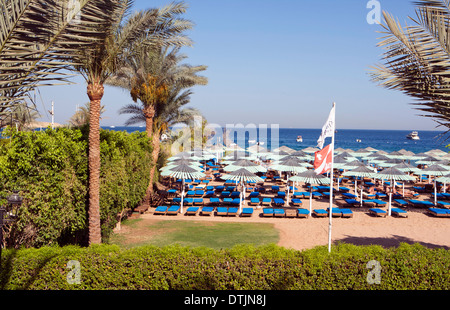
[322, 160]
[328, 129]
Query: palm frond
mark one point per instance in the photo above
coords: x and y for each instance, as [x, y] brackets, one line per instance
[38, 38]
[417, 59]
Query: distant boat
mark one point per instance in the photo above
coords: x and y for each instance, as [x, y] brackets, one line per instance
[112, 126]
[299, 139]
[358, 140]
[413, 136]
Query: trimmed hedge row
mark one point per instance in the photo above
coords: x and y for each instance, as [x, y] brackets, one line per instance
[410, 267]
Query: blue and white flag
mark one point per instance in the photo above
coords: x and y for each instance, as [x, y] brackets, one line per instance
[328, 129]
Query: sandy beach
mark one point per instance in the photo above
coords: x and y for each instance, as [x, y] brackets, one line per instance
[362, 229]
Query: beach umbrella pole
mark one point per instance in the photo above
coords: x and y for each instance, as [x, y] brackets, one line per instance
[182, 198]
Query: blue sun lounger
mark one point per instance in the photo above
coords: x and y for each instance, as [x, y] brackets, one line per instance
[176, 200]
[214, 201]
[352, 202]
[233, 211]
[320, 212]
[173, 210]
[266, 201]
[377, 202]
[302, 213]
[399, 212]
[439, 212]
[198, 201]
[222, 211]
[225, 194]
[192, 210]
[207, 210]
[278, 212]
[281, 195]
[335, 212]
[188, 201]
[381, 195]
[247, 212]
[296, 202]
[160, 210]
[401, 202]
[254, 201]
[267, 212]
[443, 204]
[421, 203]
[349, 195]
[235, 194]
[347, 213]
[278, 202]
[377, 212]
[254, 195]
[209, 194]
[227, 201]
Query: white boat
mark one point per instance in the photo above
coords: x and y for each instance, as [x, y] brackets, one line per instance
[299, 139]
[413, 136]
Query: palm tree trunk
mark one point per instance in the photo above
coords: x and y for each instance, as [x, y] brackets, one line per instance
[95, 92]
[149, 113]
[155, 155]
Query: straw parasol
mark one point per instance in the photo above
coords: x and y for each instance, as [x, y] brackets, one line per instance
[244, 163]
[242, 175]
[310, 177]
[435, 170]
[393, 174]
[183, 171]
[361, 171]
[290, 165]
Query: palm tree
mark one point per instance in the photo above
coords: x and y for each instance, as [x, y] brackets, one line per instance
[81, 116]
[417, 60]
[152, 27]
[21, 116]
[37, 38]
[157, 80]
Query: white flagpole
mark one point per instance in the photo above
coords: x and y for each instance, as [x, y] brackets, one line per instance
[331, 179]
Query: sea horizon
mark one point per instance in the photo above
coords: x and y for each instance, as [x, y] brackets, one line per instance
[353, 139]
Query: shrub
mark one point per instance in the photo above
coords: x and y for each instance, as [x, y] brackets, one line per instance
[51, 169]
[408, 267]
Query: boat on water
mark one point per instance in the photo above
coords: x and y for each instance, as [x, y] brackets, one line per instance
[413, 136]
[299, 139]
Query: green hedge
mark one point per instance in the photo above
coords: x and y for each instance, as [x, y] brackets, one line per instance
[409, 267]
[51, 169]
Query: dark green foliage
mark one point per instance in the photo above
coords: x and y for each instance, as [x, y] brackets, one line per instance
[408, 267]
[51, 169]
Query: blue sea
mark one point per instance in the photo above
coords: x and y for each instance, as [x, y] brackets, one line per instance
[386, 140]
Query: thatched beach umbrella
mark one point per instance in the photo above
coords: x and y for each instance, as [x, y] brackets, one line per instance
[291, 165]
[242, 175]
[310, 177]
[244, 163]
[435, 170]
[183, 171]
[393, 174]
[361, 171]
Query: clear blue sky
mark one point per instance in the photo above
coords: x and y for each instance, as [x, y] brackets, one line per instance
[277, 62]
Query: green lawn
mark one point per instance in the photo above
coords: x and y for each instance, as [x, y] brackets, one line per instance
[194, 234]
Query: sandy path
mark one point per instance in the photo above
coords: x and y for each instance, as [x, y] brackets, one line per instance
[362, 229]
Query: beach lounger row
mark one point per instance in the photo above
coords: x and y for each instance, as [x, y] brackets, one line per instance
[439, 212]
[220, 211]
[383, 213]
[289, 213]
